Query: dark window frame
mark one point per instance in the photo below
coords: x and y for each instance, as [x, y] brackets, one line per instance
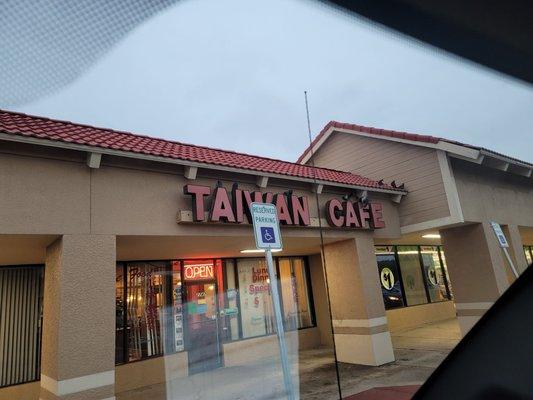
[444, 268]
[400, 279]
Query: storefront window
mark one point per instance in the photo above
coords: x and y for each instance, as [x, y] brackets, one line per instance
[257, 315]
[231, 306]
[295, 293]
[445, 268]
[146, 300]
[165, 307]
[120, 315]
[407, 282]
[389, 276]
[434, 274]
[177, 307]
[528, 251]
[412, 278]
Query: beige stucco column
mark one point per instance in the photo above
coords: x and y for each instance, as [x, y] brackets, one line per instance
[78, 344]
[516, 247]
[358, 314]
[477, 269]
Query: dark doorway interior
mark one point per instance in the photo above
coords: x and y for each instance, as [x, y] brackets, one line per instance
[202, 325]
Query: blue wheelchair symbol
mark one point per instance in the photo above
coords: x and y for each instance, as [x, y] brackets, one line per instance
[267, 233]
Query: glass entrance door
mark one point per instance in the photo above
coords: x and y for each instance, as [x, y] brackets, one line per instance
[202, 326]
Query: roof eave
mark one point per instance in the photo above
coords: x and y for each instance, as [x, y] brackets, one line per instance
[469, 153]
[187, 163]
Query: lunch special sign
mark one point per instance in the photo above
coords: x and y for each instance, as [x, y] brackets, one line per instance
[234, 207]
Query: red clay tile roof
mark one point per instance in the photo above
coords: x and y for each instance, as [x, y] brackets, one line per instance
[13, 123]
[396, 134]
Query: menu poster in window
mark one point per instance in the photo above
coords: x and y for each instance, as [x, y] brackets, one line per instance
[177, 307]
[255, 298]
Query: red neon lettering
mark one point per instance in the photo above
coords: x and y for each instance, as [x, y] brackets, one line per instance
[192, 272]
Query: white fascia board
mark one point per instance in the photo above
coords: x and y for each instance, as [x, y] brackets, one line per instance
[450, 187]
[478, 160]
[148, 157]
[478, 156]
[458, 150]
[504, 159]
[389, 138]
[444, 222]
[316, 146]
[453, 148]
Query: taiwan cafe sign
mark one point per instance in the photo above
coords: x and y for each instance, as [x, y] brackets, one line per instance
[292, 210]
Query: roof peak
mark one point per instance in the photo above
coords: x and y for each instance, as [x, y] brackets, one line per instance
[378, 132]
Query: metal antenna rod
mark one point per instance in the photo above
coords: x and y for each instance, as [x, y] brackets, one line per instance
[312, 160]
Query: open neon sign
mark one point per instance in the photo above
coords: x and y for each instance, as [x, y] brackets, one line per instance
[197, 272]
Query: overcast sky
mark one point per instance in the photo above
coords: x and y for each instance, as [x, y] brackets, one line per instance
[231, 74]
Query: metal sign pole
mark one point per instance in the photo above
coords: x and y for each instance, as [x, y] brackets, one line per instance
[515, 272]
[267, 237]
[504, 244]
[287, 378]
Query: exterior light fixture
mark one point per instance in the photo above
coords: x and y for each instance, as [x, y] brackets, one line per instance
[431, 236]
[259, 251]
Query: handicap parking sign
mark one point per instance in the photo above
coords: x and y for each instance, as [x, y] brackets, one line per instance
[266, 226]
[268, 234]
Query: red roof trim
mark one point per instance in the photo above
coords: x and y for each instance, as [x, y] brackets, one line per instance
[371, 130]
[397, 134]
[14, 123]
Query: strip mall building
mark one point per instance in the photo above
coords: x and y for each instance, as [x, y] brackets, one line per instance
[125, 260]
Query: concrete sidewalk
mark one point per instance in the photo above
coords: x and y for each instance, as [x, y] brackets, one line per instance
[418, 352]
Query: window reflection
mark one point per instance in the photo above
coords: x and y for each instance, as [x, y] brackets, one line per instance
[165, 307]
[389, 276]
[528, 251]
[120, 313]
[231, 303]
[412, 275]
[436, 281]
[295, 293]
[412, 278]
[145, 309]
[257, 314]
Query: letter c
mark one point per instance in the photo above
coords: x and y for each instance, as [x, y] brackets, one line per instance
[333, 213]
